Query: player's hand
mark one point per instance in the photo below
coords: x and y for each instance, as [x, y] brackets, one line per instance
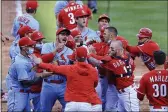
[91, 49]
[45, 74]
[35, 59]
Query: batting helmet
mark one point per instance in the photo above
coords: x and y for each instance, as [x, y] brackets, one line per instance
[144, 33]
[37, 36]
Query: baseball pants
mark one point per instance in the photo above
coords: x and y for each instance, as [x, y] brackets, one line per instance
[78, 106]
[162, 109]
[128, 100]
[18, 101]
[111, 98]
[35, 97]
[50, 93]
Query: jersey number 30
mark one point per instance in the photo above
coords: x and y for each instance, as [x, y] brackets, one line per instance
[160, 90]
[72, 20]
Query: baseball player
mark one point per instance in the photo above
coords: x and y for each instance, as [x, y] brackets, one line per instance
[24, 31]
[87, 33]
[59, 5]
[103, 22]
[22, 77]
[14, 50]
[26, 19]
[53, 87]
[122, 66]
[81, 74]
[154, 85]
[101, 49]
[145, 48]
[66, 16]
[36, 88]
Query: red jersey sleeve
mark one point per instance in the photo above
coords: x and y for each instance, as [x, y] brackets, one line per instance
[133, 49]
[63, 69]
[108, 66]
[141, 91]
[47, 58]
[123, 40]
[96, 56]
[148, 47]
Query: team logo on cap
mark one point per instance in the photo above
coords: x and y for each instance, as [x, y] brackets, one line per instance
[39, 34]
[83, 12]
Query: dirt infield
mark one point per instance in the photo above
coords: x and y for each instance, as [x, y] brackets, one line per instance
[8, 15]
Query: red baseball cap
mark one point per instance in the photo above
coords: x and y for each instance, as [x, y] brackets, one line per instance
[62, 29]
[80, 52]
[37, 36]
[104, 16]
[80, 13]
[31, 4]
[75, 33]
[24, 29]
[25, 41]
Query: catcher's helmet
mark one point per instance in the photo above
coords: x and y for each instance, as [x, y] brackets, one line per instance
[144, 33]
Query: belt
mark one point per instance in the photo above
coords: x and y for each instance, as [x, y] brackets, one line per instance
[21, 90]
[122, 75]
[126, 89]
[161, 108]
[54, 81]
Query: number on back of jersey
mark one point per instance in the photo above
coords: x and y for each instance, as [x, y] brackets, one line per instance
[160, 90]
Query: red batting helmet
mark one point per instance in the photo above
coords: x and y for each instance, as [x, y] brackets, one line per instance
[144, 33]
[37, 36]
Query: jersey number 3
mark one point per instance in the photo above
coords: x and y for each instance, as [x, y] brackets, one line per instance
[72, 19]
[160, 90]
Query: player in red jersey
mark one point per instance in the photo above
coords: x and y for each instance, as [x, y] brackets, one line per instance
[66, 16]
[101, 49]
[145, 48]
[154, 85]
[121, 66]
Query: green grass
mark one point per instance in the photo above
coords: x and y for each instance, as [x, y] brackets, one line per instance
[127, 16]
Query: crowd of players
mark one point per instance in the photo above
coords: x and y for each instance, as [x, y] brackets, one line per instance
[85, 70]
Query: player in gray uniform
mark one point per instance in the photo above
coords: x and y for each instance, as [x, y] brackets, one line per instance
[22, 77]
[87, 33]
[53, 87]
[26, 19]
[24, 31]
